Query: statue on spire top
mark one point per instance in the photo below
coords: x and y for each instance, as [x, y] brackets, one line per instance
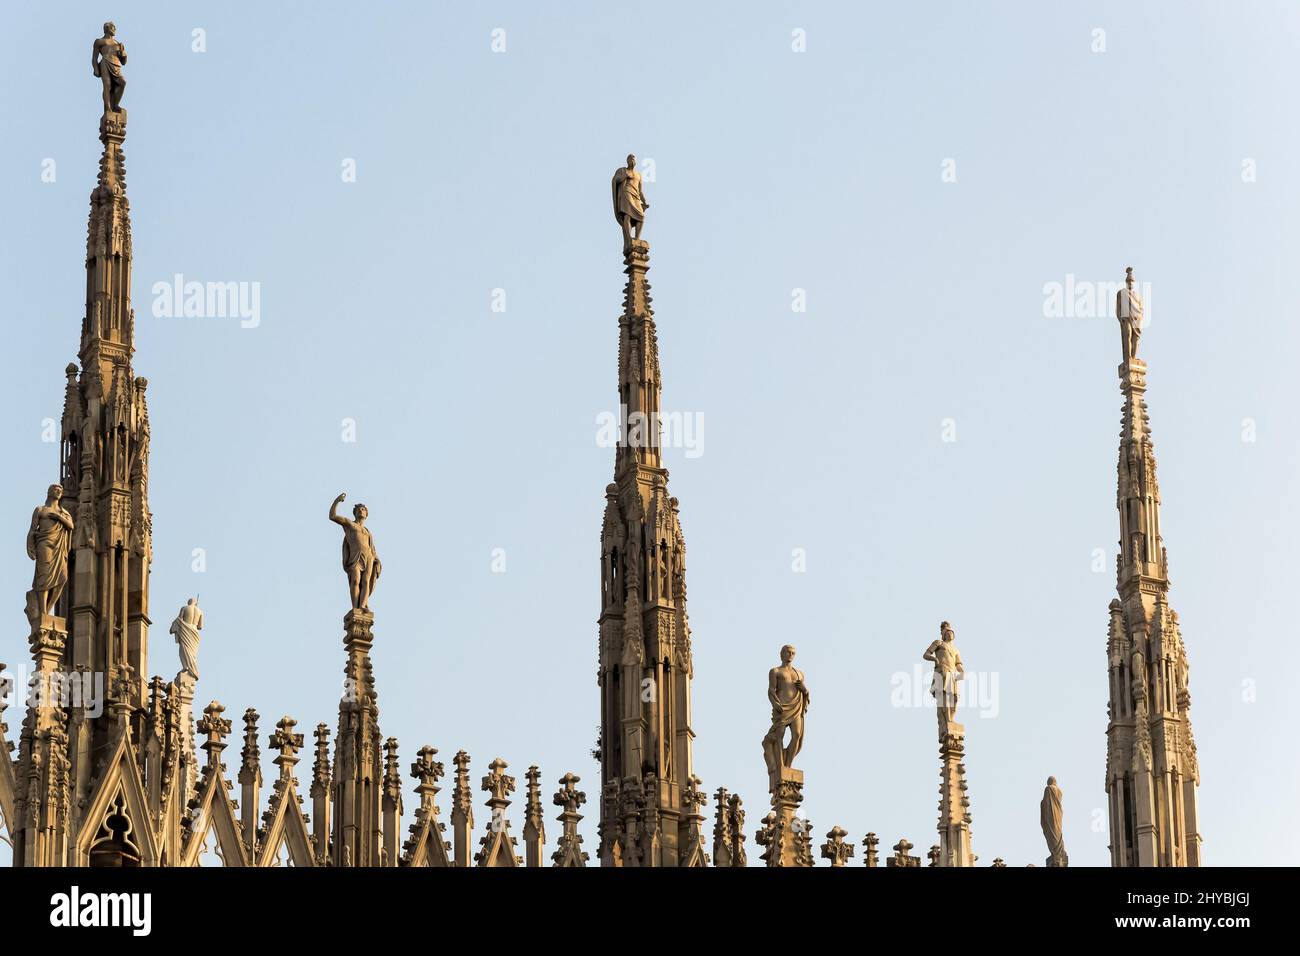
[107, 57]
[359, 558]
[629, 202]
[1128, 309]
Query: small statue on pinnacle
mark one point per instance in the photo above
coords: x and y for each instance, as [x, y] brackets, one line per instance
[186, 628]
[948, 670]
[629, 202]
[789, 697]
[107, 57]
[360, 560]
[1128, 309]
[49, 539]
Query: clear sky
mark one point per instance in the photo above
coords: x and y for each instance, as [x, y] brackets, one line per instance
[921, 171]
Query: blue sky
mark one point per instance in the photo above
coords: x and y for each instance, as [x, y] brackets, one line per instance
[774, 170]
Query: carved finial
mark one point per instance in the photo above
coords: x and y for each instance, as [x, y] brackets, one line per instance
[498, 784]
[216, 728]
[901, 857]
[392, 769]
[250, 756]
[569, 851]
[320, 771]
[835, 849]
[871, 841]
[288, 744]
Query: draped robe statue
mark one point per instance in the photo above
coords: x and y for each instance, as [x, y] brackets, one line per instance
[1050, 814]
[629, 202]
[186, 627]
[48, 542]
[360, 561]
[789, 696]
[1128, 309]
[106, 58]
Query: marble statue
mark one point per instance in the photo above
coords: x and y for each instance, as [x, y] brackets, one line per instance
[48, 542]
[789, 696]
[107, 57]
[629, 202]
[1050, 814]
[186, 627]
[1128, 309]
[359, 558]
[948, 671]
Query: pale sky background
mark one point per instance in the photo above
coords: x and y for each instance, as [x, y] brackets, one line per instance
[774, 171]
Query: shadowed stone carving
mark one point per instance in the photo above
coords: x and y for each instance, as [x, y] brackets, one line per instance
[107, 57]
[1050, 814]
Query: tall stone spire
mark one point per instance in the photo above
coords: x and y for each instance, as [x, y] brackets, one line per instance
[1151, 768]
[645, 640]
[99, 625]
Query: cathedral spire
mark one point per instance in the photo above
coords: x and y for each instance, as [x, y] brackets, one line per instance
[646, 741]
[1152, 774]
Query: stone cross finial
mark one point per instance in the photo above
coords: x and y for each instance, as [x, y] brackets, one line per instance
[835, 849]
[287, 743]
[871, 841]
[692, 796]
[498, 784]
[901, 857]
[569, 852]
[216, 728]
[428, 771]
[569, 796]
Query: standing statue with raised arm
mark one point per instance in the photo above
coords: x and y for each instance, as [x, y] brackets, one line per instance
[359, 558]
[107, 57]
[629, 202]
[48, 541]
